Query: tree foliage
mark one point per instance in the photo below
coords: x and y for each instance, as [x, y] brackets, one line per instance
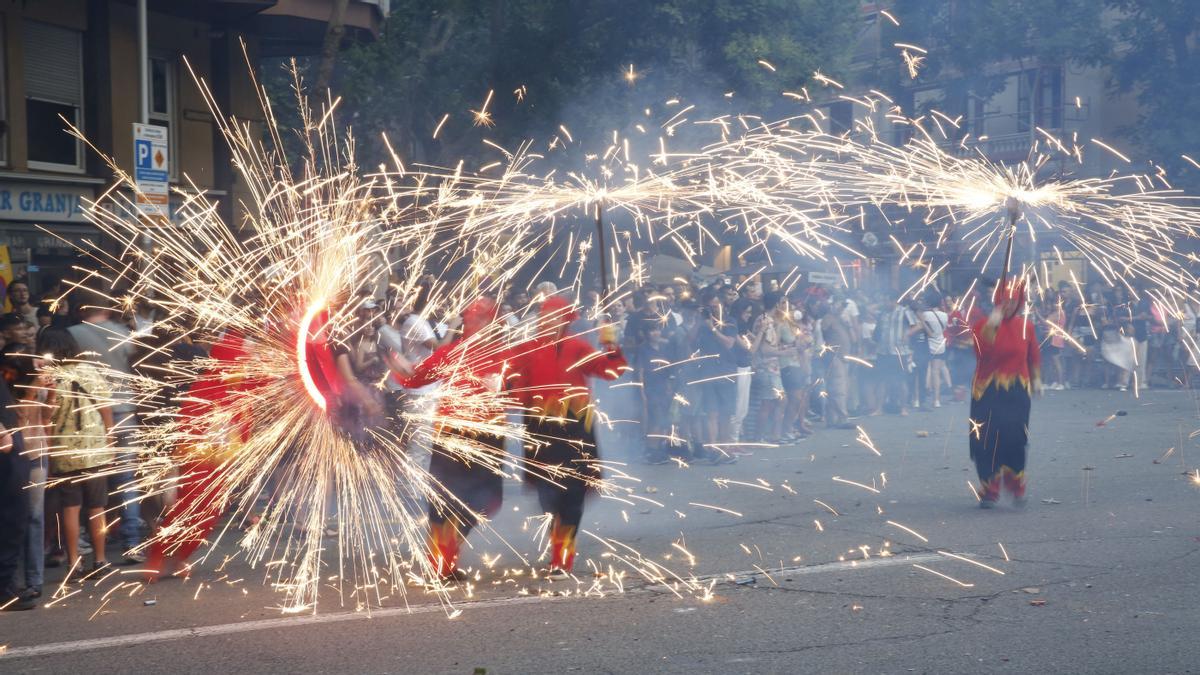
[552, 62]
[967, 39]
[1150, 48]
[1158, 58]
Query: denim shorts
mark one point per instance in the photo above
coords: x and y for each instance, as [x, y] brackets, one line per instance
[795, 378]
[766, 385]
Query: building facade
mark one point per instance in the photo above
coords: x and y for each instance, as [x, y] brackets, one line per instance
[77, 60]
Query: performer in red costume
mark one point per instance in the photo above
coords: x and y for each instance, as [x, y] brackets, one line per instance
[551, 379]
[471, 416]
[1007, 375]
[189, 521]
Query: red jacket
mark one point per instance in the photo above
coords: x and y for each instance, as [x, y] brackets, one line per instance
[216, 388]
[472, 376]
[551, 376]
[1009, 357]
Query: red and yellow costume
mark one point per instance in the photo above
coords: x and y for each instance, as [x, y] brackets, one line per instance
[1007, 373]
[551, 380]
[187, 523]
[470, 414]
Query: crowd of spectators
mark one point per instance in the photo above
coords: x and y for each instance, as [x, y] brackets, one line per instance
[718, 369]
[725, 366]
[49, 413]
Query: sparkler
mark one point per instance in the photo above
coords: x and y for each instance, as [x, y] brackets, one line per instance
[319, 241]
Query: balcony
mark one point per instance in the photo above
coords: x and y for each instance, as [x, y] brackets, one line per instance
[1006, 137]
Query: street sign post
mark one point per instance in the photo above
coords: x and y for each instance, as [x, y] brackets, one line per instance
[151, 168]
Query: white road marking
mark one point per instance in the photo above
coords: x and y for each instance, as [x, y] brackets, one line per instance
[338, 617]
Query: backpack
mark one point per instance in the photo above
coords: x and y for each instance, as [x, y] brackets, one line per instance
[77, 433]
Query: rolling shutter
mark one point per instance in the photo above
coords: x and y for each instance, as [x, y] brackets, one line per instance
[52, 63]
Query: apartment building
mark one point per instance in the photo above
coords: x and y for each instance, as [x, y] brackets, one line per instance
[78, 60]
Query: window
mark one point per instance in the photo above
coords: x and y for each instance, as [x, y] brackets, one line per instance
[841, 117]
[53, 93]
[967, 110]
[1050, 99]
[162, 106]
[902, 131]
[1047, 100]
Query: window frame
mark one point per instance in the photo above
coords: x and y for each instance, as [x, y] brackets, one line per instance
[80, 166]
[4, 94]
[171, 117]
[1051, 80]
[844, 108]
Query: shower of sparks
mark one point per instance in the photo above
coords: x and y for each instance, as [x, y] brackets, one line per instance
[320, 236]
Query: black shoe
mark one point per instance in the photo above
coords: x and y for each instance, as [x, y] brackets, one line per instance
[98, 570]
[708, 456]
[656, 458]
[17, 602]
[678, 454]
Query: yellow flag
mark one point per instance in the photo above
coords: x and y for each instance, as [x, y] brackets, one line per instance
[6, 275]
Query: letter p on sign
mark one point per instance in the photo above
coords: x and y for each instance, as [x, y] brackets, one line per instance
[144, 149]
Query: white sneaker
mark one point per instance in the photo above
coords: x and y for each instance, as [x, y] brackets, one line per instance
[937, 404]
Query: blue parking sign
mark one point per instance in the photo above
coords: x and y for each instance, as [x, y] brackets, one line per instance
[151, 164]
[143, 154]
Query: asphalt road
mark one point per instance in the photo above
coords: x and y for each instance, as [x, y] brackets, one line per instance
[1099, 571]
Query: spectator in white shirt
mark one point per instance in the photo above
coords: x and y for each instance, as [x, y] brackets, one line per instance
[934, 320]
